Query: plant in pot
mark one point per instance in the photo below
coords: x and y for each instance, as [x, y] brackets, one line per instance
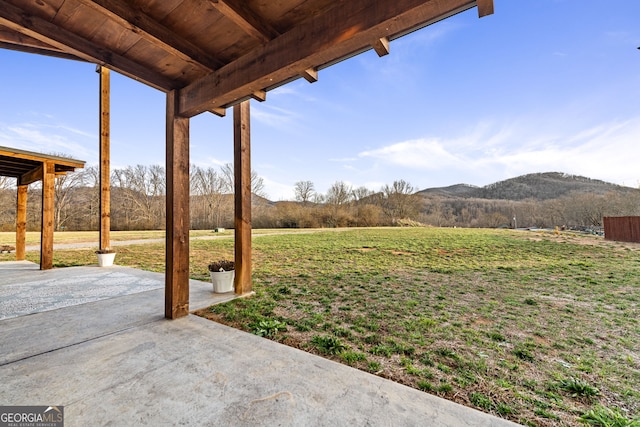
[105, 257]
[222, 275]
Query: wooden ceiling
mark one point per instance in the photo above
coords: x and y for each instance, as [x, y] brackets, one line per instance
[217, 53]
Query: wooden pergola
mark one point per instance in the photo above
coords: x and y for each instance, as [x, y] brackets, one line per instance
[210, 55]
[28, 167]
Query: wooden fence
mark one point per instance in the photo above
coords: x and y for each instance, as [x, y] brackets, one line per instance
[622, 228]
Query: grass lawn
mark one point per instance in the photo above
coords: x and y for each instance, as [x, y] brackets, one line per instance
[539, 328]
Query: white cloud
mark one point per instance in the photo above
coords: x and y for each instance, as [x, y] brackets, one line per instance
[276, 117]
[277, 191]
[429, 154]
[344, 159]
[46, 138]
[487, 154]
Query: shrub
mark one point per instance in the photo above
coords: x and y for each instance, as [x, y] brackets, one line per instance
[328, 344]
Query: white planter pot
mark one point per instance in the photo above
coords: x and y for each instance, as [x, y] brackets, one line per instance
[222, 281]
[106, 260]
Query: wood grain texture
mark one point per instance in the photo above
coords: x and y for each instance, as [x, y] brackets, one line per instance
[21, 222]
[46, 233]
[242, 215]
[105, 158]
[485, 8]
[177, 243]
[57, 36]
[342, 31]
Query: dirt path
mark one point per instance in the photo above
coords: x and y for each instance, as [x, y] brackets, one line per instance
[94, 245]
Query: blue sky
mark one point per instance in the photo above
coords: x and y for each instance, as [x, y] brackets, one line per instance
[544, 85]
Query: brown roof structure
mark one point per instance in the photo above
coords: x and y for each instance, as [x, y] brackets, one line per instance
[217, 52]
[28, 167]
[24, 165]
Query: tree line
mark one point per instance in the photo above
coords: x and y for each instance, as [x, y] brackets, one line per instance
[138, 196]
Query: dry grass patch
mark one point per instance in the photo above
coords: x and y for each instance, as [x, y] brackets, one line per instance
[539, 332]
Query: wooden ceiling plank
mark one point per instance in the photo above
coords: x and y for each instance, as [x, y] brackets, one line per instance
[245, 18]
[40, 51]
[25, 23]
[342, 31]
[12, 37]
[381, 46]
[141, 24]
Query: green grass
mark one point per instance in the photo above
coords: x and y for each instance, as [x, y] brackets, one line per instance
[533, 327]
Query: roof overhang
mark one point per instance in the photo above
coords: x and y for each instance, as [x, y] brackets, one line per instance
[217, 53]
[26, 166]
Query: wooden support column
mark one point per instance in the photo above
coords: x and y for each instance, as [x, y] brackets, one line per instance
[21, 222]
[177, 247]
[105, 159]
[46, 234]
[242, 220]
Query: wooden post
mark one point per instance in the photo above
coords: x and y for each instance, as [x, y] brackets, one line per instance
[46, 234]
[105, 162]
[21, 222]
[242, 197]
[177, 247]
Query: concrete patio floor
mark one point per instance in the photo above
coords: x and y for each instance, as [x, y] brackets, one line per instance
[110, 358]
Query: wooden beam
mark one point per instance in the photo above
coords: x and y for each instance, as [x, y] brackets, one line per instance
[485, 7]
[220, 112]
[177, 246]
[243, 17]
[20, 20]
[342, 31]
[105, 158]
[310, 75]
[259, 95]
[242, 197]
[147, 28]
[32, 176]
[46, 233]
[55, 53]
[381, 46]
[21, 222]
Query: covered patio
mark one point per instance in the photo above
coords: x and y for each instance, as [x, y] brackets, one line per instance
[29, 167]
[208, 56]
[114, 360]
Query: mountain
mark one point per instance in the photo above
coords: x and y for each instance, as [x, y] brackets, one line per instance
[457, 190]
[540, 186]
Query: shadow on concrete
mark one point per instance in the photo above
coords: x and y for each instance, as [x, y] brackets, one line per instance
[114, 360]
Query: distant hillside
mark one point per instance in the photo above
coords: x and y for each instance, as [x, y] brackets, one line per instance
[540, 186]
[457, 190]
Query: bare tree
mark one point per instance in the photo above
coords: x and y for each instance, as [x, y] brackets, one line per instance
[304, 191]
[139, 196]
[257, 182]
[339, 193]
[7, 203]
[399, 201]
[209, 186]
[361, 193]
[65, 209]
